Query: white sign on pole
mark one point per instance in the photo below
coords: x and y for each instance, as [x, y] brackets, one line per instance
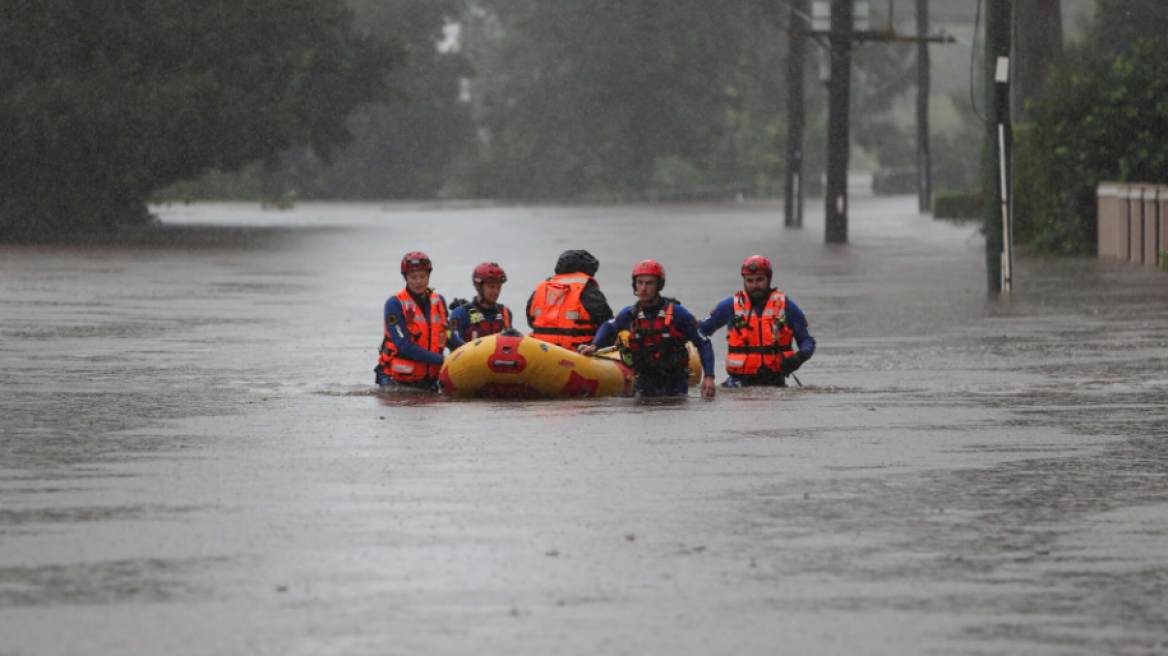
[821, 16]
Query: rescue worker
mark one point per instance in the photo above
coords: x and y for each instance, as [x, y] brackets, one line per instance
[416, 330]
[569, 307]
[658, 328]
[484, 315]
[768, 336]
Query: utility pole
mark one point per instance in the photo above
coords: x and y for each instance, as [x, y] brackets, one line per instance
[841, 34]
[924, 153]
[996, 171]
[838, 138]
[796, 56]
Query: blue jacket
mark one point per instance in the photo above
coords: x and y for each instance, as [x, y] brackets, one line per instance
[401, 339]
[460, 318]
[682, 318]
[724, 313]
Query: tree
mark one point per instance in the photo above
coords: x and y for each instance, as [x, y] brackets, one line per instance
[1106, 118]
[406, 150]
[1120, 24]
[103, 103]
[580, 96]
[1038, 46]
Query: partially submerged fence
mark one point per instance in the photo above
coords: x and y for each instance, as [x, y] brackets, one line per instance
[1133, 221]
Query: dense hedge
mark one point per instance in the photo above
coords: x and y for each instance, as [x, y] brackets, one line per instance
[1105, 118]
[958, 205]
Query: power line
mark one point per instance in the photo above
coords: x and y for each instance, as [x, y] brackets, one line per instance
[972, 59]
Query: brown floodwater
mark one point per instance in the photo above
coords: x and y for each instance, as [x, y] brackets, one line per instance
[194, 460]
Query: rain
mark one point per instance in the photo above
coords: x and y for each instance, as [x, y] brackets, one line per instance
[195, 456]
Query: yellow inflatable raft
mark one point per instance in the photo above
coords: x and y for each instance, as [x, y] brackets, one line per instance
[519, 366]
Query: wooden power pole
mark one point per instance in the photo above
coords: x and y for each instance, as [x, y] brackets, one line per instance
[924, 152]
[838, 136]
[796, 124]
[841, 38]
[998, 140]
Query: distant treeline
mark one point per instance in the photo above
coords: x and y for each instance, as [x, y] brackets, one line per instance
[104, 106]
[580, 98]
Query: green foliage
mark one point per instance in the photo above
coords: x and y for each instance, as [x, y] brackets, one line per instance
[1030, 180]
[957, 156]
[881, 75]
[959, 205]
[579, 96]
[674, 173]
[284, 201]
[1106, 118]
[101, 105]
[1120, 24]
[405, 149]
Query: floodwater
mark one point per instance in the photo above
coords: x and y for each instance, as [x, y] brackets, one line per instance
[193, 460]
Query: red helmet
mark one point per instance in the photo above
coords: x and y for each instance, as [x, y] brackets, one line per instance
[649, 268]
[755, 264]
[488, 272]
[416, 261]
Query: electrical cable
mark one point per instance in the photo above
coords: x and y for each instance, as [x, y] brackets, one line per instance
[972, 58]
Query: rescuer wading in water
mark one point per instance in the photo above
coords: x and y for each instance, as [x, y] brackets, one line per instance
[767, 334]
[658, 328]
[416, 332]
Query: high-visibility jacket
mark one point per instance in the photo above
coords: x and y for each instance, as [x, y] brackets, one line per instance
[480, 326]
[755, 340]
[657, 344]
[558, 315]
[430, 335]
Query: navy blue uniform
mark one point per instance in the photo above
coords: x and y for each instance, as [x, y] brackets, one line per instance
[461, 324]
[723, 314]
[401, 338]
[685, 323]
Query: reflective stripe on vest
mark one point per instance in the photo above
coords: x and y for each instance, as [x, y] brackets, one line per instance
[429, 335]
[558, 315]
[761, 340]
[484, 327]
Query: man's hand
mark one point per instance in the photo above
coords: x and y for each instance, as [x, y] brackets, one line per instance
[791, 363]
[708, 387]
[586, 349]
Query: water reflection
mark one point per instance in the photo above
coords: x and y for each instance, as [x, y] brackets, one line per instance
[959, 474]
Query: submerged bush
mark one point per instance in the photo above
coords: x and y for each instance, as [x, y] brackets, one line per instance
[958, 204]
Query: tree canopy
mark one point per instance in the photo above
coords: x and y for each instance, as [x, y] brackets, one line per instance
[1105, 117]
[585, 95]
[103, 103]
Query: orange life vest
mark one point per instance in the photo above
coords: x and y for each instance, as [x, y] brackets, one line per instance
[557, 314]
[756, 340]
[428, 335]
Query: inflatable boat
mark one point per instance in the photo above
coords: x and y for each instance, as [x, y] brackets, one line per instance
[520, 366]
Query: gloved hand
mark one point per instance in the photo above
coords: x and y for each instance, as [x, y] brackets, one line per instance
[791, 363]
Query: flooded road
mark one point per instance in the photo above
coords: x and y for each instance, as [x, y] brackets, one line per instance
[193, 460]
